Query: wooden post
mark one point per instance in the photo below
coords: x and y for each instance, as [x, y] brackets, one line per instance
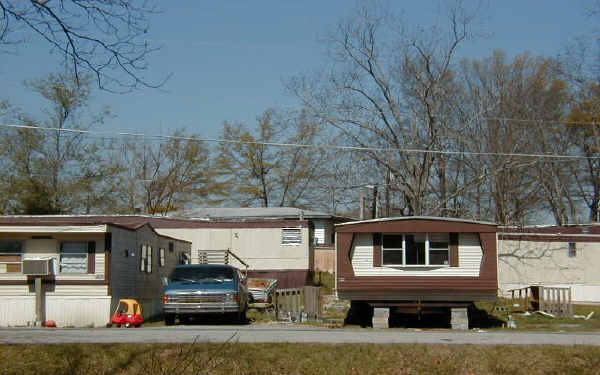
[39, 301]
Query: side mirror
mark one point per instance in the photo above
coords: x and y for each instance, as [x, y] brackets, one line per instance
[164, 281]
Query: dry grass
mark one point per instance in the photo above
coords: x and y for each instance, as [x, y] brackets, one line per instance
[236, 358]
[539, 322]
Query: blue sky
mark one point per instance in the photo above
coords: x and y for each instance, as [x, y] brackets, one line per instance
[228, 58]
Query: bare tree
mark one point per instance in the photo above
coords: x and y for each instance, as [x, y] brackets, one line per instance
[48, 165]
[159, 178]
[392, 88]
[106, 38]
[522, 100]
[276, 164]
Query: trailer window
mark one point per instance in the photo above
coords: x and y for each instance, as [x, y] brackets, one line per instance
[10, 256]
[416, 249]
[74, 257]
[291, 236]
[392, 249]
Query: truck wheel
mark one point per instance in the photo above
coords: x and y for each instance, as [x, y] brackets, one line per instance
[169, 319]
[241, 317]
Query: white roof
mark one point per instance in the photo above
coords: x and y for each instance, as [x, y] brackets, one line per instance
[252, 213]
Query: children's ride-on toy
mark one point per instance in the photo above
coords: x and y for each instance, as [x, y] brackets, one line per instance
[128, 313]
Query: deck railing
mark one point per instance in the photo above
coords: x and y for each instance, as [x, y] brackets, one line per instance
[552, 300]
[218, 257]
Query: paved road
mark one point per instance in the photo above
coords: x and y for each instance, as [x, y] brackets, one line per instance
[288, 333]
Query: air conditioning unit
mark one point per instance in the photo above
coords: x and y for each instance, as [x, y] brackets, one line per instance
[38, 267]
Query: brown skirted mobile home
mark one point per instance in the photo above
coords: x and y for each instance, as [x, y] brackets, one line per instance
[415, 264]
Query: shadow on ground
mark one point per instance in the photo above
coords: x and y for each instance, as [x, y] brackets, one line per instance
[211, 319]
[361, 314]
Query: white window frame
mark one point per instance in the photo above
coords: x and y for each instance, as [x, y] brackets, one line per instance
[161, 257]
[291, 243]
[146, 259]
[62, 254]
[143, 258]
[427, 250]
[149, 260]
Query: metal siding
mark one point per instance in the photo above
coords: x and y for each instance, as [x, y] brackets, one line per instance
[469, 249]
[260, 247]
[16, 310]
[525, 263]
[128, 281]
[78, 311]
[122, 268]
[79, 290]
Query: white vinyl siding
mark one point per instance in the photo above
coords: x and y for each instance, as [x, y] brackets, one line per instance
[260, 248]
[77, 311]
[469, 250]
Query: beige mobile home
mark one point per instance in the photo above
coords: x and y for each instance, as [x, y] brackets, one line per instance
[93, 262]
[284, 243]
[551, 256]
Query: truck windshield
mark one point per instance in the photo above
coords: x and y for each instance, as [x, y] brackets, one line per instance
[193, 274]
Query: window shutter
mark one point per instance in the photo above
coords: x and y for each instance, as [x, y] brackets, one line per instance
[91, 260]
[453, 237]
[376, 249]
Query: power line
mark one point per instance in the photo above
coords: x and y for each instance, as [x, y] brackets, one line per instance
[542, 121]
[296, 145]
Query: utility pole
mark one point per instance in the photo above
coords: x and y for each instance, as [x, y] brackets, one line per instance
[388, 181]
[374, 207]
[362, 204]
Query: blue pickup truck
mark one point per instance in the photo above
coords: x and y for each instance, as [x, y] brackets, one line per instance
[196, 289]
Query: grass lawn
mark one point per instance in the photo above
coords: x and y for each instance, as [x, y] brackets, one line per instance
[540, 322]
[236, 358]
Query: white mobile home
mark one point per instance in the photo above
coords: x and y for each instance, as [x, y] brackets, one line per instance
[285, 243]
[552, 256]
[94, 262]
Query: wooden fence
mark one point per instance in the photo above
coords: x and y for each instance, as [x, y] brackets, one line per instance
[553, 300]
[298, 303]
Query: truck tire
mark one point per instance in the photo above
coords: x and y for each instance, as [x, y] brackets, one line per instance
[242, 318]
[169, 319]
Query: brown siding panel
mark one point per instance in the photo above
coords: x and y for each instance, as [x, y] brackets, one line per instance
[344, 247]
[416, 226]
[376, 249]
[285, 278]
[553, 238]
[454, 250]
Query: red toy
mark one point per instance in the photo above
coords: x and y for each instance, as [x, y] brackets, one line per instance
[129, 313]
